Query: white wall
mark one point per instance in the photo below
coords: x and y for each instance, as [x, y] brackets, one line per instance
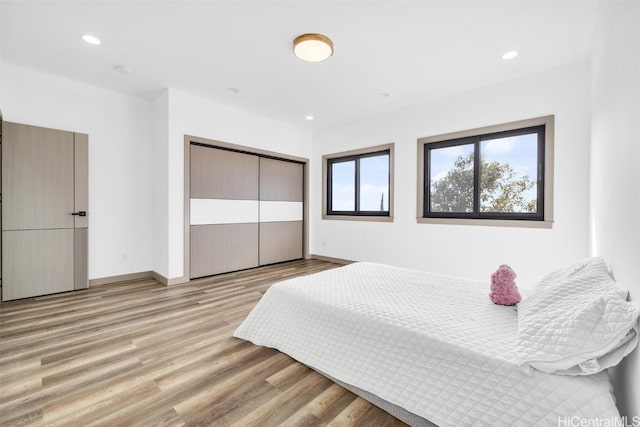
[615, 165]
[136, 160]
[468, 251]
[193, 115]
[160, 200]
[119, 160]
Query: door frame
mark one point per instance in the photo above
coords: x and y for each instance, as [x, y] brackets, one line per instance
[188, 139]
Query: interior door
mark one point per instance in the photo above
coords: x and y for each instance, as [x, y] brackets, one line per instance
[224, 211]
[44, 222]
[281, 210]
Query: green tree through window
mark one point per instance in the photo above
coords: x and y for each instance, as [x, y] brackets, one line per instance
[501, 188]
[498, 175]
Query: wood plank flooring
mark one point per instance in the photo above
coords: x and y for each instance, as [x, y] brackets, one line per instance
[141, 353]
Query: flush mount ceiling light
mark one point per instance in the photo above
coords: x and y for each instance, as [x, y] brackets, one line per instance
[313, 47]
[91, 39]
[309, 117]
[510, 55]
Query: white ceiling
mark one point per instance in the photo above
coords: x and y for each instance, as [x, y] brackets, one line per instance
[413, 50]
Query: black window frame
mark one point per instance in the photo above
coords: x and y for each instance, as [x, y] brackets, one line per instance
[357, 212]
[476, 141]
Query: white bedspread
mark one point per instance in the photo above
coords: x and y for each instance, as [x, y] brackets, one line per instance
[577, 322]
[434, 345]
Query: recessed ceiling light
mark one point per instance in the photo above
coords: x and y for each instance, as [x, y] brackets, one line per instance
[91, 39]
[313, 47]
[309, 117]
[510, 55]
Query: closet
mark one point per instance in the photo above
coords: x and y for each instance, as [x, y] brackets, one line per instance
[246, 210]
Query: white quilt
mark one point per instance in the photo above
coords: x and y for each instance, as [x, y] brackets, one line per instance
[434, 345]
[577, 322]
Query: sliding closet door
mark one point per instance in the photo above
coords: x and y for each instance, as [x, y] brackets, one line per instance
[281, 210]
[224, 211]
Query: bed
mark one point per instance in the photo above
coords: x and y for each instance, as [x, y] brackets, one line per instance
[433, 348]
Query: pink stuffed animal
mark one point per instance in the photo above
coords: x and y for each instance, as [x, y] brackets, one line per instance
[504, 290]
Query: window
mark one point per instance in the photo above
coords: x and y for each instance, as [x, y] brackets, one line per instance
[495, 173]
[358, 184]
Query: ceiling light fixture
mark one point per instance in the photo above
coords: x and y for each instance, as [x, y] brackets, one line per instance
[510, 55]
[313, 47]
[309, 117]
[91, 39]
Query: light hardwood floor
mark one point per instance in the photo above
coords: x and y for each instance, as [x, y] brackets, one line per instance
[141, 353]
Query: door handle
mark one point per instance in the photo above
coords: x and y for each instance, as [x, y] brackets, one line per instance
[79, 213]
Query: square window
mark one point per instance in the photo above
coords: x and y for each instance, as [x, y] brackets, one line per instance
[359, 184]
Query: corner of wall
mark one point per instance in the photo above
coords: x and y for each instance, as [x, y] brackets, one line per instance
[160, 186]
[615, 111]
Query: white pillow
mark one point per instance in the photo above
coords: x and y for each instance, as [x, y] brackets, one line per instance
[577, 322]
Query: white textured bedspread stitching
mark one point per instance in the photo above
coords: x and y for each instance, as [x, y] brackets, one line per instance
[431, 344]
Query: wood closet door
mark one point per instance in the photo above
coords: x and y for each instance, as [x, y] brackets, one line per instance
[44, 182]
[281, 210]
[223, 211]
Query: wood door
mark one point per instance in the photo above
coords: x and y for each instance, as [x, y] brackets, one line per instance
[224, 211]
[44, 182]
[281, 210]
